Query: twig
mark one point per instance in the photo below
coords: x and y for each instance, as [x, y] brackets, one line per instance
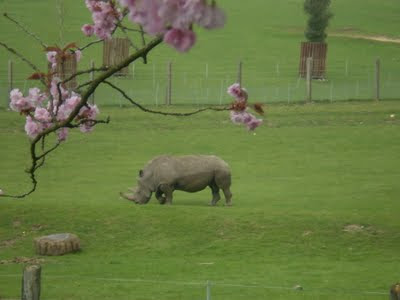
[26, 30]
[90, 44]
[161, 112]
[20, 56]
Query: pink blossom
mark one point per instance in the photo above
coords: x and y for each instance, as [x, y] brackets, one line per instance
[105, 16]
[86, 127]
[253, 124]
[236, 117]
[42, 115]
[19, 103]
[88, 29]
[32, 128]
[52, 56]
[238, 92]
[78, 55]
[182, 40]
[63, 112]
[62, 134]
[212, 18]
[54, 91]
[36, 97]
[89, 112]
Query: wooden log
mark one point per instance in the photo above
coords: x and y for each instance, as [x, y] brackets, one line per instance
[31, 283]
[57, 244]
[395, 292]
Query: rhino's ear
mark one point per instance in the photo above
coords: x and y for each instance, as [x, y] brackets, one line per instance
[140, 173]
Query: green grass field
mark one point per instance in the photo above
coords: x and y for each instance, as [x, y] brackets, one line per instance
[309, 172]
[264, 35]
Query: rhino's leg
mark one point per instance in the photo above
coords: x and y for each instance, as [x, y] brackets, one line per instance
[160, 197]
[228, 195]
[167, 190]
[215, 193]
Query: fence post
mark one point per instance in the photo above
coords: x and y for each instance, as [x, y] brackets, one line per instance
[31, 283]
[10, 82]
[309, 78]
[377, 79]
[239, 76]
[169, 84]
[91, 79]
[208, 290]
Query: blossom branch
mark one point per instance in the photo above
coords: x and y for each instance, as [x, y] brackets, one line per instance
[20, 56]
[90, 44]
[67, 123]
[26, 30]
[161, 112]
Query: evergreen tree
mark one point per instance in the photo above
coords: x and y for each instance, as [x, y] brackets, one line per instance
[319, 16]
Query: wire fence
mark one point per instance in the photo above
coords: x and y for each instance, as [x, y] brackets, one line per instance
[138, 288]
[206, 84]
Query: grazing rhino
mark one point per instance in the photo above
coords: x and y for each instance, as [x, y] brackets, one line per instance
[190, 173]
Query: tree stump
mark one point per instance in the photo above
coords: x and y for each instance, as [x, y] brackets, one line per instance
[395, 292]
[57, 244]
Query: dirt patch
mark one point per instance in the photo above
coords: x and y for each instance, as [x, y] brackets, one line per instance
[352, 228]
[365, 229]
[22, 260]
[8, 243]
[348, 33]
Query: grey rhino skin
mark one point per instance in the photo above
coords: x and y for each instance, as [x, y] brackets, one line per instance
[189, 173]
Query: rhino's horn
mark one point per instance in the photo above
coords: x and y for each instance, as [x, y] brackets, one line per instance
[127, 196]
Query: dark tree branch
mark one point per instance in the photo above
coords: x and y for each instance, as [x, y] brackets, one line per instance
[90, 44]
[20, 56]
[26, 30]
[161, 112]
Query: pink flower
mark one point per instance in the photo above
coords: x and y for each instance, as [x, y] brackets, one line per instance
[236, 117]
[32, 128]
[236, 91]
[72, 101]
[88, 29]
[254, 123]
[89, 113]
[36, 97]
[62, 134]
[54, 91]
[52, 57]
[182, 40]
[213, 17]
[42, 115]
[78, 55]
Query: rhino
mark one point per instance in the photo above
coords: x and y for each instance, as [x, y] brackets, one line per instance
[190, 173]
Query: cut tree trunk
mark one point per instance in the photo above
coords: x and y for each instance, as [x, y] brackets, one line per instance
[57, 244]
[318, 52]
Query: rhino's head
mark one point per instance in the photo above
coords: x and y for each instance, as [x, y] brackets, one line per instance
[141, 194]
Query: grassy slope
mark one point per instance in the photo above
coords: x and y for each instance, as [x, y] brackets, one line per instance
[263, 35]
[296, 184]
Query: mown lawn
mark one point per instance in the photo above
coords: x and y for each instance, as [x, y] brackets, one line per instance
[307, 173]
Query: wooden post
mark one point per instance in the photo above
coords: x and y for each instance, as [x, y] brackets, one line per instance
[31, 283]
[309, 78]
[208, 290]
[169, 85]
[377, 79]
[239, 76]
[10, 82]
[91, 79]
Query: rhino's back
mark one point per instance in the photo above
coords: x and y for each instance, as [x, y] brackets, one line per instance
[188, 172]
